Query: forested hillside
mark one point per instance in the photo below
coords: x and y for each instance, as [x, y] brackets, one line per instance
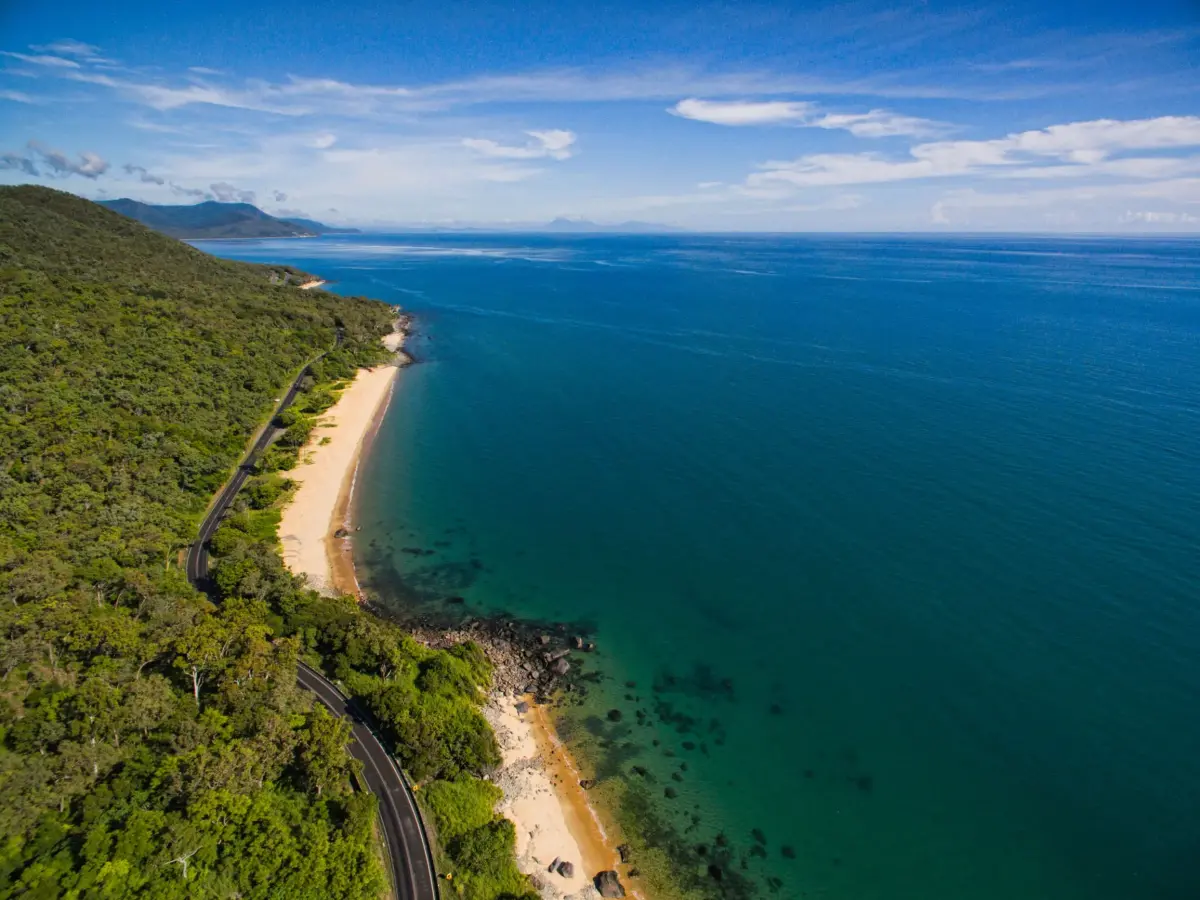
[153, 743]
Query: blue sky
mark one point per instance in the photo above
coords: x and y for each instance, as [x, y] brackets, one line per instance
[856, 116]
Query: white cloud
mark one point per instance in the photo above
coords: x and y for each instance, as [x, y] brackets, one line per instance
[1077, 148]
[68, 47]
[56, 62]
[742, 112]
[876, 123]
[555, 144]
[323, 141]
[204, 70]
[16, 97]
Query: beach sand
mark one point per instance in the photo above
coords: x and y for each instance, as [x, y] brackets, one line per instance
[543, 799]
[325, 481]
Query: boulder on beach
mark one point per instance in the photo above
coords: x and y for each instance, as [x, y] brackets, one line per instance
[608, 884]
[560, 667]
[566, 869]
[625, 852]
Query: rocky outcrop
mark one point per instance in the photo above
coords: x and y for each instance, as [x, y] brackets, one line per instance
[527, 660]
[608, 884]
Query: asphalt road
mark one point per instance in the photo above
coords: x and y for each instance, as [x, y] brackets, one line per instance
[411, 861]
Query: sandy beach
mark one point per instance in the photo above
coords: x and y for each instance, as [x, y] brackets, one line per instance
[543, 799]
[325, 481]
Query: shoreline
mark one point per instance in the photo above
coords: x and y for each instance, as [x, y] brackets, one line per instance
[553, 820]
[313, 526]
[544, 796]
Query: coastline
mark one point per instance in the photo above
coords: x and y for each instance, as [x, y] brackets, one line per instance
[543, 793]
[311, 521]
[542, 798]
[545, 796]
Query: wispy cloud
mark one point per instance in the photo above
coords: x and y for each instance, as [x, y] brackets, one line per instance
[69, 47]
[57, 62]
[16, 97]
[879, 123]
[1107, 205]
[555, 144]
[304, 96]
[143, 176]
[196, 193]
[227, 193]
[875, 123]
[1159, 217]
[20, 162]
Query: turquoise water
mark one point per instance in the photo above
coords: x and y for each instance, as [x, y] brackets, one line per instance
[898, 536]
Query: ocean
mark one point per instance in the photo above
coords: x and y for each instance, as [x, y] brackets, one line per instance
[890, 546]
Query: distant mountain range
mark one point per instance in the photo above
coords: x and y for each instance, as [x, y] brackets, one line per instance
[218, 220]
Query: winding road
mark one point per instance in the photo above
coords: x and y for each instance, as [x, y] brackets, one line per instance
[409, 856]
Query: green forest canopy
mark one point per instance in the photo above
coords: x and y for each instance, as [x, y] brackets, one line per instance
[153, 743]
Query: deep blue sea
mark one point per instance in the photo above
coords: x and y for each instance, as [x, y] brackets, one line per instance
[897, 539]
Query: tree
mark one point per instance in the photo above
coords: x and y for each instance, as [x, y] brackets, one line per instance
[200, 652]
[323, 753]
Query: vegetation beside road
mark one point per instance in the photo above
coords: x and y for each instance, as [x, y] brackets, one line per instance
[153, 743]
